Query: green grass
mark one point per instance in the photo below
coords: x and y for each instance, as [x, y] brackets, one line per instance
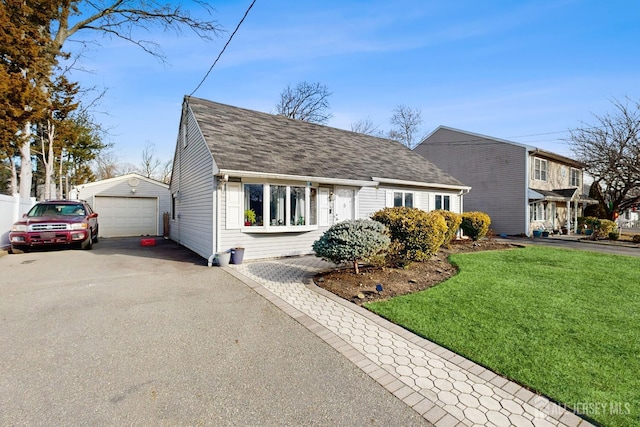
[564, 323]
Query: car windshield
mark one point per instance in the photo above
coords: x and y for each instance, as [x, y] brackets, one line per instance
[51, 209]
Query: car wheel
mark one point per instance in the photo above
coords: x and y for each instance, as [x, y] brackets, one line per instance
[95, 238]
[87, 244]
[17, 250]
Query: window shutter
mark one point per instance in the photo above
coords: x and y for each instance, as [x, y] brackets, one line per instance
[323, 207]
[416, 200]
[234, 205]
[389, 199]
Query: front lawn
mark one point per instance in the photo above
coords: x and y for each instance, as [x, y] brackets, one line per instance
[564, 323]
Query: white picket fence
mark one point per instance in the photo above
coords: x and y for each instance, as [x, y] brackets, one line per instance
[11, 208]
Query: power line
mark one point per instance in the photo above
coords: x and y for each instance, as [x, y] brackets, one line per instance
[224, 48]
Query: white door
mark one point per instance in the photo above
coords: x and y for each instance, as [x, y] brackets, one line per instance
[127, 216]
[343, 205]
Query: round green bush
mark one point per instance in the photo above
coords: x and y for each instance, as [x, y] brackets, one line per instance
[475, 224]
[416, 235]
[352, 241]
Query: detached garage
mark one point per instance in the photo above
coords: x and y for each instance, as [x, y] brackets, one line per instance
[128, 205]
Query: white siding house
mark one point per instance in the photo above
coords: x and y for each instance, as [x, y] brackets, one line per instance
[273, 185]
[127, 205]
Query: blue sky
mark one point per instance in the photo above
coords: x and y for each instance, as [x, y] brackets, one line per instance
[526, 71]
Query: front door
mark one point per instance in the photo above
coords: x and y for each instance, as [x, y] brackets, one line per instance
[343, 204]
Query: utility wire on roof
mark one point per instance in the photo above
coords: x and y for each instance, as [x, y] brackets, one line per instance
[224, 48]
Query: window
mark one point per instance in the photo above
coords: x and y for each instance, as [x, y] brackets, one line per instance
[253, 205]
[575, 177]
[443, 202]
[401, 198]
[183, 134]
[540, 169]
[537, 212]
[173, 207]
[278, 204]
[298, 214]
[276, 208]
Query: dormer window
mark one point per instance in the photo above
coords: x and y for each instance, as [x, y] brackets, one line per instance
[540, 169]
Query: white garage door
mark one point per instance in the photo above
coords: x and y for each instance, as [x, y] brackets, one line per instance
[127, 216]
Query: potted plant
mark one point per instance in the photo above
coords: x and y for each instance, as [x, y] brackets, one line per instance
[249, 217]
[237, 254]
[537, 232]
[591, 224]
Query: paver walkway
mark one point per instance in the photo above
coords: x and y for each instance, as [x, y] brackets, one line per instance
[445, 388]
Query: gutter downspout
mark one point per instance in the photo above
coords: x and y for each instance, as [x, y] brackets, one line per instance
[216, 239]
[461, 200]
[527, 168]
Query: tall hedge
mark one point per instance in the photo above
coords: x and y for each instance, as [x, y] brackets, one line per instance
[352, 241]
[416, 235]
[453, 225]
[475, 224]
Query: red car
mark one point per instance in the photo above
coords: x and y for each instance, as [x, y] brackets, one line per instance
[55, 222]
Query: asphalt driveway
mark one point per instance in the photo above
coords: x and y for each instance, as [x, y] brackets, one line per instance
[125, 334]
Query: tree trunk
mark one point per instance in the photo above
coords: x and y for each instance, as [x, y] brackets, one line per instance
[48, 160]
[355, 267]
[13, 181]
[26, 168]
[61, 195]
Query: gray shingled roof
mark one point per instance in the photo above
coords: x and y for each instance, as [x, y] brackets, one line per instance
[247, 140]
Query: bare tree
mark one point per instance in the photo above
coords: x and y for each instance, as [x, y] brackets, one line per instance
[610, 151]
[367, 127]
[167, 170]
[406, 123]
[149, 162]
[106, 165]
[122, 19]
[308, 102]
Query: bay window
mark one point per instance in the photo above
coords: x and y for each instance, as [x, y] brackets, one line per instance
[279, 207]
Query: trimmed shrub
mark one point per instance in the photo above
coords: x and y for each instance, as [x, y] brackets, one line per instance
[636, 238]
[352, 241]
[416, 235]
[606, 227]
[614, 235]
[475, 224]
[453, 225]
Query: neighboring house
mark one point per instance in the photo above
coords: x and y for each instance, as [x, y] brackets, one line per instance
[629, 218]
[273, 185]
[127, 205]
[522, 188]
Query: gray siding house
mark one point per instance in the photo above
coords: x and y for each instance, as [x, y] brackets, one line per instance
[522, 188]
[273, 185]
